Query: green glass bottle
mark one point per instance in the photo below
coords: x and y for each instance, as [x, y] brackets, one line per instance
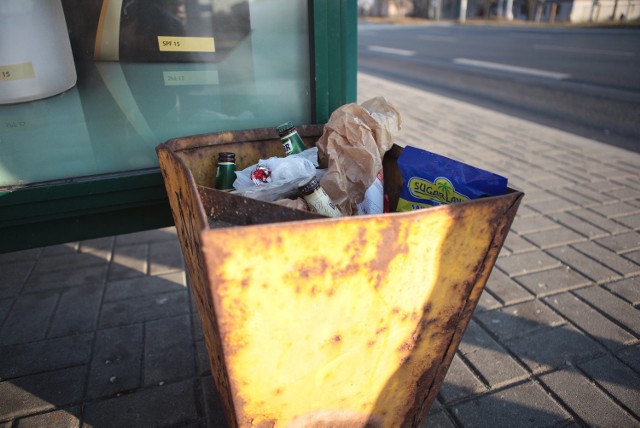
[291, 140]
[226, 173]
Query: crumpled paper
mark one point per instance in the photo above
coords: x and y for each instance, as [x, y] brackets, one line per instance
[352, 146]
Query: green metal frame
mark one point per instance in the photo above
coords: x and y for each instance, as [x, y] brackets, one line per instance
[92, 207]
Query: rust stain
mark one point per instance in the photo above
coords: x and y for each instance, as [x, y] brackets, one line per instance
[406, 346]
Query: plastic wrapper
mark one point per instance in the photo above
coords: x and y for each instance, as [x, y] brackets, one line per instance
[286, 173]
[352, 146]
[430, 179]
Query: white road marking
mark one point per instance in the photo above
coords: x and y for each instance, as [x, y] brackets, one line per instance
[512, 68]
[583, 50]
[393, 51]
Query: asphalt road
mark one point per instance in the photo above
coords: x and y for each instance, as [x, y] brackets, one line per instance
[584, 81]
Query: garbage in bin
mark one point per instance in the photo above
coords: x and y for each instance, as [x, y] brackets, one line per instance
[319, 321]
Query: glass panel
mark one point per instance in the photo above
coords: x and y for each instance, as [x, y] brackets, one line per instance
[147, 71]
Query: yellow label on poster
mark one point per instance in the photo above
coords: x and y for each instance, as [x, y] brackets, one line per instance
[17, 72]
[191, 77]
[186, 44]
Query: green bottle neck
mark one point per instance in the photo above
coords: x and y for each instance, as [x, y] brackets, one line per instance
[293, 143]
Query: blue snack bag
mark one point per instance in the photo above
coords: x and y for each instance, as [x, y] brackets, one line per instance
[430, 179]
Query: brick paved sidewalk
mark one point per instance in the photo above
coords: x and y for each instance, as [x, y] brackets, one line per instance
[103, 332]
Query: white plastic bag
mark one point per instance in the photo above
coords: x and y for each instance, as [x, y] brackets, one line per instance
[286, 173]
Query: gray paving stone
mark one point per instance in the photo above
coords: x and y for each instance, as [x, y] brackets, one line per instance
[525, 212]
[590, 320]
[460, 382]
[592, 406]
[504, 252]
[553, 205]
[553, 281]
[100, 247]
[554, 347]
[129, 261]
[580, 226]
[68, 418]
[211, 404]
[487, 302]
[630, 165]
[620, 170]
[41, 392]
[164, 257]
[601, 193]
[31, 254]
[614, 307]
[554, 238]
[603, 223]
[584, 199]
[117, 361]
[538, 195]
[516, 244]
[617, 379]
[5, 306]
[625, 194]
[526, 405]
[77, 311]
[155, 235]
[438, 420]
[621, 243]
[144, 308]
[520, 320]
[576, 175]
[172, 405]
[554, 181]
[29, 318]
[585, 265]
[203, 363]
[197, 327]
[608, 258]
[13, 277]
[436, 407]
[506, 289]
[44, 355]
[615, 210]
[169, 353]
[630, 356]
[628, 289]
[523, 225]
[631, 221]
[69, 261]
[532, 261]
[144, 286]
[491, 360]
[43, 280]
[633, 256]
[56, 250]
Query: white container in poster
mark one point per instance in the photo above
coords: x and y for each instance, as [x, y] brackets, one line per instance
[35, 53]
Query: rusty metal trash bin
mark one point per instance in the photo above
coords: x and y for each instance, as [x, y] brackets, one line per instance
[315, 321]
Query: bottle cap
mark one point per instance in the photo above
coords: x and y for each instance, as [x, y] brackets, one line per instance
[284, 128]
[308, 185]
[226, 157]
